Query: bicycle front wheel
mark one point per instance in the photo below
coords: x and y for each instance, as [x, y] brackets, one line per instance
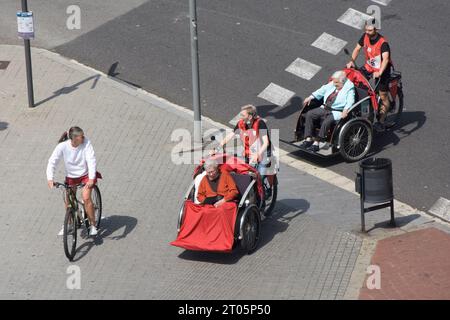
[70, 234]
[97, 201]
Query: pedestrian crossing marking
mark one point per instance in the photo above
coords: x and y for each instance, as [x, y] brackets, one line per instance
[276, 94]
[354, 18]
[303, 69]
[329, 43]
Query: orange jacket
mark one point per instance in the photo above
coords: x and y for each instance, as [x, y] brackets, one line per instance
[226, 188]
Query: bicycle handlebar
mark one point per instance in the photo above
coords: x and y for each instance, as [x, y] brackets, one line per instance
[66, 186]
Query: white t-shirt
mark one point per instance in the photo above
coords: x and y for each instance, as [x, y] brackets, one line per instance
[78, 161]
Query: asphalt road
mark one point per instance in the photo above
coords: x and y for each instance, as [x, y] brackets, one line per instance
[245, 45]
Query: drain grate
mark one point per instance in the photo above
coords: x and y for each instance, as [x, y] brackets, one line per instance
[4, 65]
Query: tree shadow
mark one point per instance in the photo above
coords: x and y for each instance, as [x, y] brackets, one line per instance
[108, 227]
[70, 89]
[284, 212]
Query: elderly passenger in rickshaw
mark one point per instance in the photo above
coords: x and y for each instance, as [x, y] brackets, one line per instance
[216, 187]
[329, 104]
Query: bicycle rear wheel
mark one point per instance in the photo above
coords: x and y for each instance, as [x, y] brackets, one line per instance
[70, 234]
[97, 201]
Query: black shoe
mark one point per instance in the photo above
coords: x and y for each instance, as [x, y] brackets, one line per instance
[306, 144]
[379, 127]
[314, 148]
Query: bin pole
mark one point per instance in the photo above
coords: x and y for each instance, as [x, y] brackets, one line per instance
[392, 213]
[362, 189]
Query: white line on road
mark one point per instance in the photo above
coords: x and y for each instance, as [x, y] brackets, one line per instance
[441, 209]
[329, 43]
[382, 2]
[354, 18]
[276, 94]
[303, 69]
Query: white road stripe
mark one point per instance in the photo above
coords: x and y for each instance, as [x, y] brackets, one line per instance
[354, 18]
[276, 95]
[303, 69]
[441, 209]
[382, 2]
[329, 43]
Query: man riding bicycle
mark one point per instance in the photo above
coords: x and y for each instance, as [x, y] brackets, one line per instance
[80, 166]
[253, 132]
[378, 64]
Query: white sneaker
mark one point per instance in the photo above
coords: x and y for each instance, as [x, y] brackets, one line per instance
[92, 231]
[61, 232]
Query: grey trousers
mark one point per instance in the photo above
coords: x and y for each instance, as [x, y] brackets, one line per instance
[325, 117]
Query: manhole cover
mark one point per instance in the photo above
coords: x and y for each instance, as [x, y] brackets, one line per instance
[4, 65]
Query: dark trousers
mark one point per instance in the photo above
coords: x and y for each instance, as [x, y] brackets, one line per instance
[325, 117]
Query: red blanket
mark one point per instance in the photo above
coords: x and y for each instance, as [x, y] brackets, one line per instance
[206, 228]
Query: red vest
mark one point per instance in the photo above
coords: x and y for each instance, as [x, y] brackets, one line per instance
[248, 136]
[373, 54]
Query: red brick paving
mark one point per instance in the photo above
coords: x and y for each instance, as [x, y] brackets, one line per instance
[415, 265]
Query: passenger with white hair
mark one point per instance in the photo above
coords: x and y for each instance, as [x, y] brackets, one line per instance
[216, 187]
[328, 104]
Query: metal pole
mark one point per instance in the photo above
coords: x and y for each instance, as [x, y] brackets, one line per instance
[28, 63]
[195, 72]
[392, 213]
[363, 222]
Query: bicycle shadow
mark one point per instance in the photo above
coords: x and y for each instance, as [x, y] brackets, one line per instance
[109, 226]
[285, 211]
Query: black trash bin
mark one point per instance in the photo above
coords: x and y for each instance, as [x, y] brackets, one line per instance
[374, 184]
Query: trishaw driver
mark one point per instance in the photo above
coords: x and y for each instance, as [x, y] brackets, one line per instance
[253, 133]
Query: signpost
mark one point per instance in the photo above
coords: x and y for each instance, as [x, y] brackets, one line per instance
[25, 28]
[195, 72]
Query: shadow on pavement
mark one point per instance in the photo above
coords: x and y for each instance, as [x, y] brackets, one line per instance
[285, 112]
[108, 227]
[112, 73]
[284, 212]
[70, 89]
[3, 125]
[400, 221]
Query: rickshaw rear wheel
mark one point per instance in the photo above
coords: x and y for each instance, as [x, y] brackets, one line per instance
[355, 141]
[251, 227]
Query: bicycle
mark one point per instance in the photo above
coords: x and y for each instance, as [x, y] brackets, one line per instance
[76, 215]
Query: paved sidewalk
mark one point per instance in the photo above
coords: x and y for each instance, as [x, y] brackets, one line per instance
[311, 247]
[414, 266]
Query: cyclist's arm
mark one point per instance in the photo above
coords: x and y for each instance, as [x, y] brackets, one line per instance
[355, 52]
[265, 145]
[91, 161]
[385, 62]
[53, 161]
